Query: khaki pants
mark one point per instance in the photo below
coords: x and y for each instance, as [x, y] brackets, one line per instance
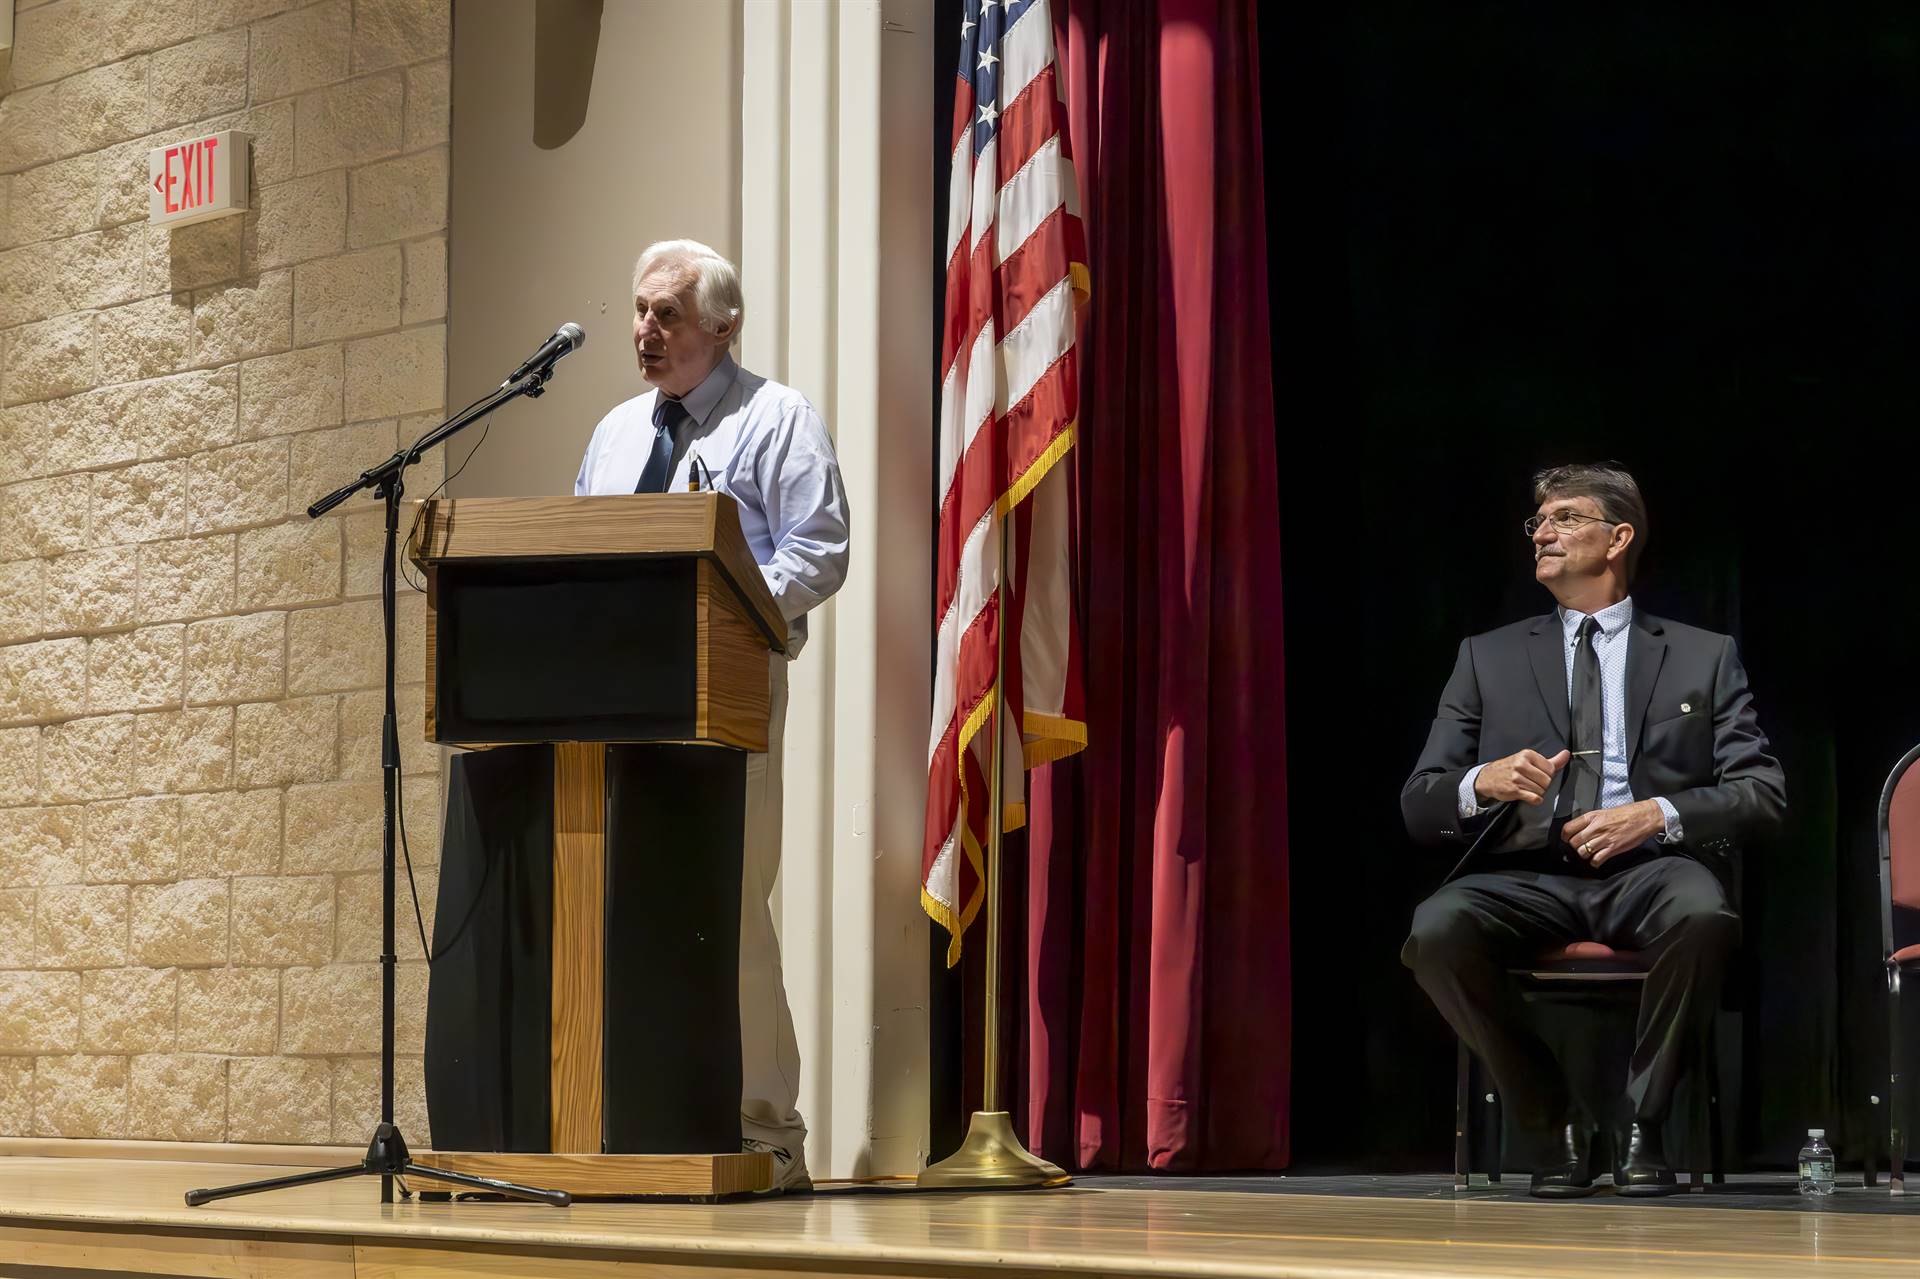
[769, 1053]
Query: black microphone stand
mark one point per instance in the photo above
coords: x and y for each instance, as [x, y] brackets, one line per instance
[387, 1156]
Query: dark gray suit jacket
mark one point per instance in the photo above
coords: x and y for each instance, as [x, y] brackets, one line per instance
[1508, 692]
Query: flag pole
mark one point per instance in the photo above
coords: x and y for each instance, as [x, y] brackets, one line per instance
[992, 1157]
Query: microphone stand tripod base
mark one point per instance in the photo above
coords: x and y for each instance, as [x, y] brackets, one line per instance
[992, 1158]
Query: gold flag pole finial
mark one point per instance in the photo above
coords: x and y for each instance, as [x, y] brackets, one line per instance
[992, 1156]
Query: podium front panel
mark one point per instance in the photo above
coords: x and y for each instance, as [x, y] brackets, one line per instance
[605, 652]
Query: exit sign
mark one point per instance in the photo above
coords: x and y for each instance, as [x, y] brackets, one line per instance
[197, 179]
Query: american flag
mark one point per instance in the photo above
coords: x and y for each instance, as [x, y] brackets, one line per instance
[1016, 274]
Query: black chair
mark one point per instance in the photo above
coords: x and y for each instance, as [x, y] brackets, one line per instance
[1899, 892]
[1579, 966]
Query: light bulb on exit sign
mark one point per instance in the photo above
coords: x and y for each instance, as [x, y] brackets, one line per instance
[197, 179]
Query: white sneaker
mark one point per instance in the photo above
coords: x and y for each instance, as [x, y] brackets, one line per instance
[789, 1167]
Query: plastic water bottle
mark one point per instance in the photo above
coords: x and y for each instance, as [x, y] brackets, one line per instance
[1816, 1164]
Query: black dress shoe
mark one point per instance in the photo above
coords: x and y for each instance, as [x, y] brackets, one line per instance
[1565, 1171]
[1640, 1165]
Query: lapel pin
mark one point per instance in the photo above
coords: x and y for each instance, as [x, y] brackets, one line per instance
[1685, 708]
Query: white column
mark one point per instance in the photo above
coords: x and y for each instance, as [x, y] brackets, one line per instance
[763, 166]
[902, 635]
[836, 239]
[851, 780]
[806, 910]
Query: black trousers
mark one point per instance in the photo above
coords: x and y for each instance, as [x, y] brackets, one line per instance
[1469, 934]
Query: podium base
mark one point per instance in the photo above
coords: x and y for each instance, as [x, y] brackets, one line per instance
[992, 1158]
[617, 1176]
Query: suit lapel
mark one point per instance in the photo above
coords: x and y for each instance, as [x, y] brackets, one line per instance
[1646, 650]
[1547, 648]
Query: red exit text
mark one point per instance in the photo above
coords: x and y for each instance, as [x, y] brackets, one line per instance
[186, 178]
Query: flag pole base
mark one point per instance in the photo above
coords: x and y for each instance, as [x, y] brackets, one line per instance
[992, 1158]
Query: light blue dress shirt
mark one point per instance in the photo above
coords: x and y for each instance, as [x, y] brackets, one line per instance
[1610, 647]
[763, 445]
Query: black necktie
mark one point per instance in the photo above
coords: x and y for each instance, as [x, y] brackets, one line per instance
[667, 416]
[1580, 793]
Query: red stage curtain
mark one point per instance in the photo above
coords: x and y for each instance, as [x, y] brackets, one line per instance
[1158, 1028]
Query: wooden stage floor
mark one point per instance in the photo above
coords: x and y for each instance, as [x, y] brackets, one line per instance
[126, 1216]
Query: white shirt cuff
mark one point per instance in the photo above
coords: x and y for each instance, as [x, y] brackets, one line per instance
[1673, 833]
[1470, 805]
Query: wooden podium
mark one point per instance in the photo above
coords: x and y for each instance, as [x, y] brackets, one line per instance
[612, 651]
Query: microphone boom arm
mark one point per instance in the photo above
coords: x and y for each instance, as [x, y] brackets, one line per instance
[386, 472]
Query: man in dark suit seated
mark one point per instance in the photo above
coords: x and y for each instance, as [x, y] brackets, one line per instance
[1601, 765]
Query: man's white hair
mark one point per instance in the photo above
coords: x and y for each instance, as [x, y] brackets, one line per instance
[716, 281]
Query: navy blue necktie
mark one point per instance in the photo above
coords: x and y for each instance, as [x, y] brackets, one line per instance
[668, 415]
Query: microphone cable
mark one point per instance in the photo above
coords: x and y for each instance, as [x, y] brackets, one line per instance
[399, 780]
[695, 466]
[420, 507]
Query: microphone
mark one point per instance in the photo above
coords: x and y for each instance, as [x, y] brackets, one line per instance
[568, 337]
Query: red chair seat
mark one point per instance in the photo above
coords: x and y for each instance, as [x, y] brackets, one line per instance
[1591, 950]
[1584, 961]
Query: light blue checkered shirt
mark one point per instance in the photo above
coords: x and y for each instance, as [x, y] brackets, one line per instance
[1610, 646]
[763, 445]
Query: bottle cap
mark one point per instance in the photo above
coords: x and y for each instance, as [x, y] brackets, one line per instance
[1816, 1132]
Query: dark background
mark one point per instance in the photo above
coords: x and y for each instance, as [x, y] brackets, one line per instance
[1503, 236]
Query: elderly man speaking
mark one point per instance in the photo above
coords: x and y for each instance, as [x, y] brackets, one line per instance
[763, 445]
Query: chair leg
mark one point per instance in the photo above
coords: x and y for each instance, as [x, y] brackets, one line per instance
[1462, 1148]
[1469, 1127]
[1707, 1062]
[1696, 1180]
[1896, 1090]
[1716, 1153]
[1869, 1174]
[1496, 1138]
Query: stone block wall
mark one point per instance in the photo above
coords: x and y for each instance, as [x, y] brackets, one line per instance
[189, 711]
